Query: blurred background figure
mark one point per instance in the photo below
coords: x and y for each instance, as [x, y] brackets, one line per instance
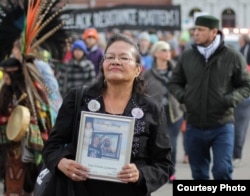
[95, 52]
[67, 53]
[68, 41]
[129, 33]
[191, 40]
[184, 39]
[21, 157]
[244, 42]
[242, 117]
[157, 79]
[242, 111]
[78, 71]
[172, 39]
[144, 46]
[28, 76]
[46, 71]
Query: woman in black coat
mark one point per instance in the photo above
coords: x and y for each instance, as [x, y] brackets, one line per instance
[117, 91]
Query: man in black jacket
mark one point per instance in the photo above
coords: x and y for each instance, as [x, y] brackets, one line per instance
[210, 79]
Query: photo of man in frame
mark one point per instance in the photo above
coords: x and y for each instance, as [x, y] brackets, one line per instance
[94, 149]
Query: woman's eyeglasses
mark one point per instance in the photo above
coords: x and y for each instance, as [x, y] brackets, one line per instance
[122, 59]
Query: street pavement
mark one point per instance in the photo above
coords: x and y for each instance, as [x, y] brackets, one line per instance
[183, 170]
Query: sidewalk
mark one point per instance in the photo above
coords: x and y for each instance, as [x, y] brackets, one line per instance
[183, 170]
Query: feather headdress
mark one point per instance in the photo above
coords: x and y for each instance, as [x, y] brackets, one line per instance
[34, 21]
[37, 22]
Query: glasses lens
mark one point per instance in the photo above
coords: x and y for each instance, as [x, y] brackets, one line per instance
[121, 59]
[124, 59]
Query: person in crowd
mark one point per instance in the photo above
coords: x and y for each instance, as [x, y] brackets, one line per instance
[172, 39]
[188, 45]
[21, 148]
[26, 104]
[242, 111]
[242, 118]
[47, 74]
[145, 45]
[184, 39]
[69, 40]
[68, 53]
[130, 33]
[211, 80]
[51, 84]
[78, 71]
[95, 52]
[157, 79]
[118, 90]
[244, 42]
[191, 40]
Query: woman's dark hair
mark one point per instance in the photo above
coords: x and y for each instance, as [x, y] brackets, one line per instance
[138, 85]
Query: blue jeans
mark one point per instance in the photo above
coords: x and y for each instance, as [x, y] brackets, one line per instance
[200, 144]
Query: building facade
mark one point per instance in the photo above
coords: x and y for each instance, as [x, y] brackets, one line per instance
[232, 13]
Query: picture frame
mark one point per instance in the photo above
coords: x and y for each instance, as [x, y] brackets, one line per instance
[104, 144]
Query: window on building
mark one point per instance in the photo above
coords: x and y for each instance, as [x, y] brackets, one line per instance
[192, 11]
[228, 18]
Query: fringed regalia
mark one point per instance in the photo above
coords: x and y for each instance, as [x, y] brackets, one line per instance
[21, 157]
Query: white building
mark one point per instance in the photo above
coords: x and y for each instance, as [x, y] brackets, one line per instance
[232, 13]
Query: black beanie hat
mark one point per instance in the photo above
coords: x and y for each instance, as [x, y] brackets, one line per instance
[207, 21]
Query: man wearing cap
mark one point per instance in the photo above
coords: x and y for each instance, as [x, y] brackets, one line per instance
[211, 79]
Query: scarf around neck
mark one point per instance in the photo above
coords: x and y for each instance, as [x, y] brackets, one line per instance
[209, 50]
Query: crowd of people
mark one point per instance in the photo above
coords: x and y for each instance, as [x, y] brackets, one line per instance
[202, 90]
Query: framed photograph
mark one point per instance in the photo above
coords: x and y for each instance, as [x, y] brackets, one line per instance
[104, 144]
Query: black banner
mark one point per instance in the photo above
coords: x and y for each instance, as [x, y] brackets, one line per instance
[124, 17]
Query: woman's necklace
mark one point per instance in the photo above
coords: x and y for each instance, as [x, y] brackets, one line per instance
[119, 106]
[110, 107]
